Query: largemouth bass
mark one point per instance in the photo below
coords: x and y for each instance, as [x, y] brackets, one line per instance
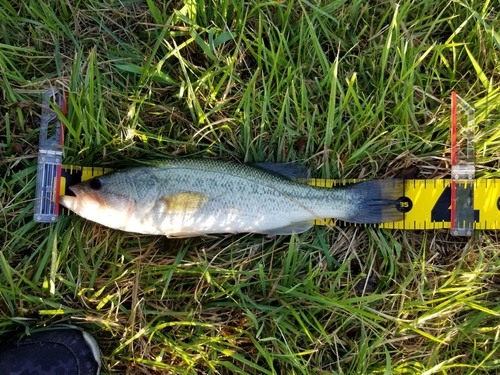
[194, 197]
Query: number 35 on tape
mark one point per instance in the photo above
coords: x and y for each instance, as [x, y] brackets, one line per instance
[426, 204]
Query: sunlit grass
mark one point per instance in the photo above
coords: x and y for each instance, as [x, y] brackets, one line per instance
[351, 89]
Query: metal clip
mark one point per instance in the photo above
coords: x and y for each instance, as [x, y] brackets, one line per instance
[50, 156]
[463, 170]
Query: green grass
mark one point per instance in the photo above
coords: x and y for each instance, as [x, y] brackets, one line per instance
[350, 88]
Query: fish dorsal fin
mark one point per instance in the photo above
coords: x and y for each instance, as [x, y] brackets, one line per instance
[185, 201]
[286, 170]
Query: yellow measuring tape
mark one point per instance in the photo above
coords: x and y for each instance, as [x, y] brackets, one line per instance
[425, 203]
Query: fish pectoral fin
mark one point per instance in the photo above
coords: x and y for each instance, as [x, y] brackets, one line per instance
[184, 201]
[296, 227]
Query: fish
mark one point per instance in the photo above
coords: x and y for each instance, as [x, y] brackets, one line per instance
[197, 197]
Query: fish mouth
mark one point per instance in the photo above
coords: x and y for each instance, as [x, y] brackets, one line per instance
[82, 201]
[68, 201]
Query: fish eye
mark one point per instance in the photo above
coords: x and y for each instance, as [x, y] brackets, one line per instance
[95, 183]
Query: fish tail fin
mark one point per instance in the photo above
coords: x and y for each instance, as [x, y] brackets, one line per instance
[376, 201]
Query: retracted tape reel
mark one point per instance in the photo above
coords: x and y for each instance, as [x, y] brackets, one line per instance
[461, 204]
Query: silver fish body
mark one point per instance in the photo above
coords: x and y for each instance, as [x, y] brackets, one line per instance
[193, 197]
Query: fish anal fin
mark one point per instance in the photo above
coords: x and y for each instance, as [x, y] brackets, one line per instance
[186, 201]
[296, 227]
[189, 235]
